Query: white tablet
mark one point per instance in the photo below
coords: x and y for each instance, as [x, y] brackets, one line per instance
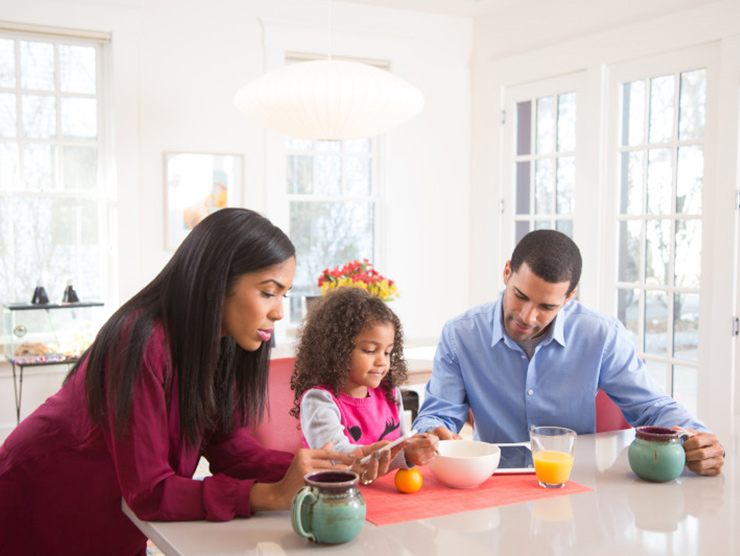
[516, 457]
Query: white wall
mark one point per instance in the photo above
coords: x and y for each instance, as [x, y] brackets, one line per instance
[176, 65]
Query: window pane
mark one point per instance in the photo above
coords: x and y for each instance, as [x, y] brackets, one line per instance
[524, 128]
[689, 179]
[76, 233]
[656, 323]
[358, 175]
[77, 67]
[9, 175]
[39, 117]
[633, 113]
[567, 122]
[565, 226]
[328, 174]
[37, 65]
[657, 251]
[55, 240]
[659, 371]
[630, 237]
[327, 234]
[686, 327]
[545, 124]
[79, 117]
[692, 105]
[329, 146]
[543, 186]
[662, 91]
[79, 167]
[39, 162]
[523, 170]
[628, 311]
[566, 185]
[8, 118]
[521, 229]
[631, 191]
[357, 146]
[30, 243]
[685, 382]
[7, 63]
[659, 181]
[295, 144]
[300, 174]
[688, 253]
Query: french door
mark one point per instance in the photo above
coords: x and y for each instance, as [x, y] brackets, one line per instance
[660, 155]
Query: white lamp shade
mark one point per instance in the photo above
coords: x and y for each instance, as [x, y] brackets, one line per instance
[329, 99]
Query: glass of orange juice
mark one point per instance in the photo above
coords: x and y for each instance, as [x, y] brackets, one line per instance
[552, 453]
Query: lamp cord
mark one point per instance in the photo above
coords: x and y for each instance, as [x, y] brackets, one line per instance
[329, 33]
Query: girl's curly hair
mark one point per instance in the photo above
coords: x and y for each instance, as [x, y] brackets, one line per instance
[326, 342]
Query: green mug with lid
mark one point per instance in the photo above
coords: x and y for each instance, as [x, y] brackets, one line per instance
[330, 509]
[656, 453]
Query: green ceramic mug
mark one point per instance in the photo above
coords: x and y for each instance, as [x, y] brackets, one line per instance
[656, 453]
[330, 508]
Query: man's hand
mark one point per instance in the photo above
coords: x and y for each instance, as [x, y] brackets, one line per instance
[704, 453]
[443, 433]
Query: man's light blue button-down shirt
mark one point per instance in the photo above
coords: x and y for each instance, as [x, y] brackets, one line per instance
[478, 367]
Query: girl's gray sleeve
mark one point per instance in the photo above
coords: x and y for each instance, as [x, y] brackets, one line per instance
[321, 422]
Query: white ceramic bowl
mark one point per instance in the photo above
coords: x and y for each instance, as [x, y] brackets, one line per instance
[464, 463]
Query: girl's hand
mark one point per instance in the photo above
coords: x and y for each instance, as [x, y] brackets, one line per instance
[379, 462]
[278, 496]
[421, 449]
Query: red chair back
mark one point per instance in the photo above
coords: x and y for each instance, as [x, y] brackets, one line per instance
[608, 416]
[278, 429]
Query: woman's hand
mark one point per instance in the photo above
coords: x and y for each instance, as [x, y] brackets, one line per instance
[278, 496]
[421, 449]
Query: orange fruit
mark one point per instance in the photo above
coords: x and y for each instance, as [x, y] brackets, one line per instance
[408, 480]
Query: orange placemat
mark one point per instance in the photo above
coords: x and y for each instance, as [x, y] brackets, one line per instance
[386, 505]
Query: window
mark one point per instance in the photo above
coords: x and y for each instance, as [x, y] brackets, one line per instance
[333, 208]
[545, 165]
[661, 176]
[53, 199]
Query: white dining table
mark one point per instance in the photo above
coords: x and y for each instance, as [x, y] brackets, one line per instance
[621, 515]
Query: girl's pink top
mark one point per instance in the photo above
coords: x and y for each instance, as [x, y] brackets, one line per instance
[366, 420]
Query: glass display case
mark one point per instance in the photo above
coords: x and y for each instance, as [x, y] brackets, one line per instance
[46, 334]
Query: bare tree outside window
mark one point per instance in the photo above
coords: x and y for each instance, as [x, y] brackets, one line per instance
[333, 208]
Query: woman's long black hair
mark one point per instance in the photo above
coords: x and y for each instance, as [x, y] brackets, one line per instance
[219, 383]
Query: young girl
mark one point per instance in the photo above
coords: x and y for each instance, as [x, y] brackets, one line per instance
[349, 364]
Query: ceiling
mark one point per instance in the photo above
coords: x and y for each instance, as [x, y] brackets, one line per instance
[581, 10]
[469, 8]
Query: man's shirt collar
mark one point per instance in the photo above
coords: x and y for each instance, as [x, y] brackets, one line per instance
[556, 331]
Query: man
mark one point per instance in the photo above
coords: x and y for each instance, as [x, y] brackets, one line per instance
[538, 357]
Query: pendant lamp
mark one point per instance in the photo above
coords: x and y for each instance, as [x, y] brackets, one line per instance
[329, 99]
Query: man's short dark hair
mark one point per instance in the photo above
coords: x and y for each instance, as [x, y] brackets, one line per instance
[551, 255]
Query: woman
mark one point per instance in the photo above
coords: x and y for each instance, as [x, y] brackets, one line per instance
[177, 372]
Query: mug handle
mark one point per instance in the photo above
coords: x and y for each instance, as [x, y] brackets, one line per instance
[295, 511]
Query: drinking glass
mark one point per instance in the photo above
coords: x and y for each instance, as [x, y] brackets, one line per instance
[552, 453]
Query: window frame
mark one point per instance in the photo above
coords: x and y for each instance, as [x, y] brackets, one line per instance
[373, 197]
[104, 193]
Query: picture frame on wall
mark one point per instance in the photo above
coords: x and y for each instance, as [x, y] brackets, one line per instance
[196, 185]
